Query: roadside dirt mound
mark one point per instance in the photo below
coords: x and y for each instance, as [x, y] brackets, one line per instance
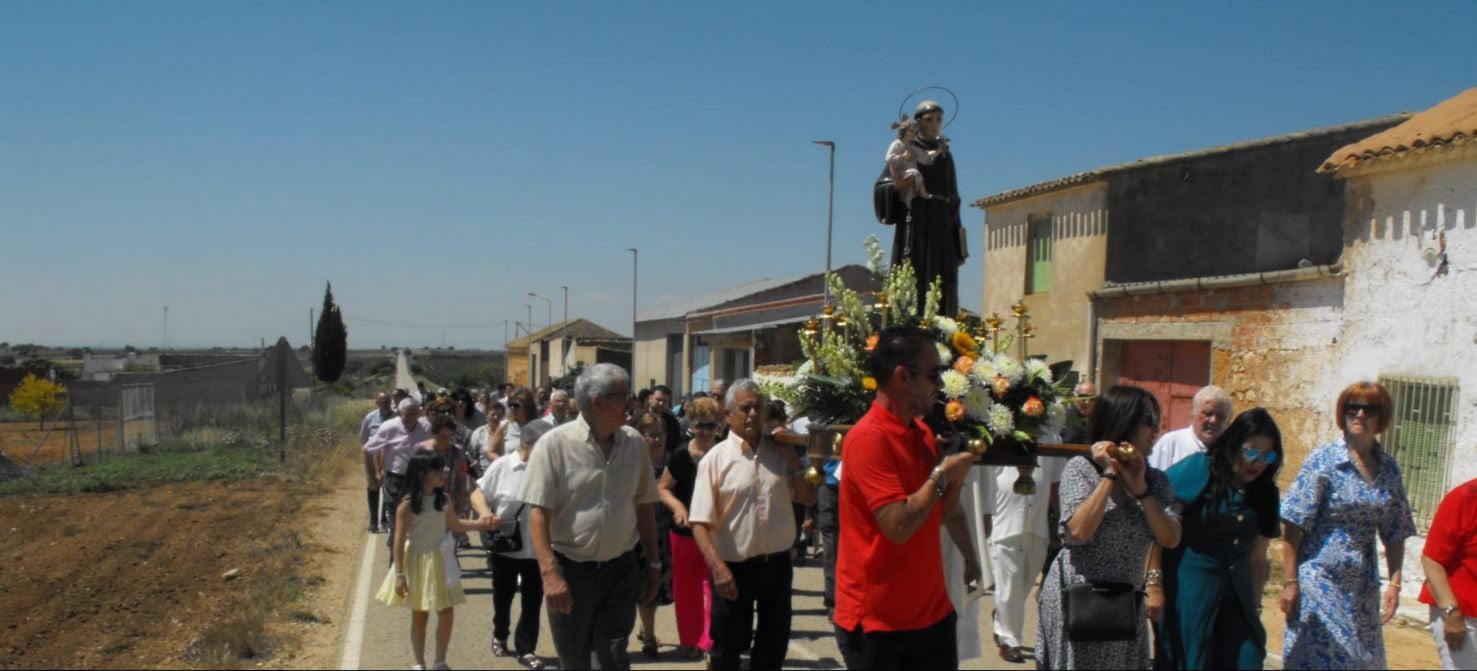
[139, 578]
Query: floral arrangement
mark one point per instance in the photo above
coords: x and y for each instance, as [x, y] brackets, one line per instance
[986, 392]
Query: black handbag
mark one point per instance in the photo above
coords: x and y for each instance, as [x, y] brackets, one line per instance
[1099, 611]
[510, 541]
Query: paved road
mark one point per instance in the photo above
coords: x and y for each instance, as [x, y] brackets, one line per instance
[403, 378]
[384, 641]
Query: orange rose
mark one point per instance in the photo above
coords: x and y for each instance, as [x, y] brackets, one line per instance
[964, 364]
[1001, 385]
[869, 383]
[871, 344]
[954, 411]
[1033, 407]
[964, 343]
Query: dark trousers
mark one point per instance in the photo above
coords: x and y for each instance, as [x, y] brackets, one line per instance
[827, 524]
[604, 612]
[374, 507]
[394, 492]
[521, 577]
[764, 586]
[934, 647]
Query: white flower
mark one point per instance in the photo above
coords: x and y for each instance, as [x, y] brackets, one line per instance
[1000, 420]
[977, 404]
[946, 326]
[1037, 369]
[955, 384]
[1056, 419]
[946, 357]
[1010, 368]
[984, 372]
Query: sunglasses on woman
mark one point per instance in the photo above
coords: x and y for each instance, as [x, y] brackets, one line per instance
[1250, 455]
[1370, 409]
[706, 426]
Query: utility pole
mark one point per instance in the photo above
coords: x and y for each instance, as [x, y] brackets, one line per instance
[830, 205]
[166, 327]
[635, 255]
[312, 336]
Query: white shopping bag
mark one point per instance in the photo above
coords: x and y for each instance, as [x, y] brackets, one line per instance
[450, 566]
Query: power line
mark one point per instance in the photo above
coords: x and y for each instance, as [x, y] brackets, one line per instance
[428, 325]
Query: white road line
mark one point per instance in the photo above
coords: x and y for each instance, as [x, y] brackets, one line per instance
[354, 639]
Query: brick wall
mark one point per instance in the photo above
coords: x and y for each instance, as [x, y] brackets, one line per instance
[1270, 348]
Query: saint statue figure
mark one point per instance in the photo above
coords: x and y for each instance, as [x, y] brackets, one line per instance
[919, 195]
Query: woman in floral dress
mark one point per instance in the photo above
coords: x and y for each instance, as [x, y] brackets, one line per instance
[1347, 493]
[1112, 512]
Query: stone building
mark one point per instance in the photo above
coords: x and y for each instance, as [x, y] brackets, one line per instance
[729, 334]
[1173, 272]
[548, 353]
[1407, 316]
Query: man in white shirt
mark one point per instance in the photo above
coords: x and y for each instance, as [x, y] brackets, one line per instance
[1019, 532]
[590, 494]
[381, 413]
[561, 410]
[743, 523]
[1212, 413]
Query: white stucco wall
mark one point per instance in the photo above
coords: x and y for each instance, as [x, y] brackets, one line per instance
[1401, 315]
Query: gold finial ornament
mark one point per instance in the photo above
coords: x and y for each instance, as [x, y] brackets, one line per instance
[812, 326]
[977, 446]
[1125, 452]
[1024, 485]
[814, 475]
[1019, 309]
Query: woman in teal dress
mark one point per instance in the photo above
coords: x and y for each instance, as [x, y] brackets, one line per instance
[1213, 581]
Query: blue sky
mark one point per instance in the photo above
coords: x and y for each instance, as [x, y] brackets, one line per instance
[439, 161]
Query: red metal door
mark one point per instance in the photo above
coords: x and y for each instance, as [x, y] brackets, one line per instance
[1172, 370]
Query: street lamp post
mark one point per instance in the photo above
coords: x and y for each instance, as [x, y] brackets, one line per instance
[830, 205]
[530, 318]
[548, 307]
[566, 305]
[634, 256]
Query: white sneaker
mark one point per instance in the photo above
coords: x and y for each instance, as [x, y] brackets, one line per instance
[418, 667]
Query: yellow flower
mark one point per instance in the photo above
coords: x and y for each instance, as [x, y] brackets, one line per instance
[954, 411]
[1033, 407]
[964, 343]
[869, 383]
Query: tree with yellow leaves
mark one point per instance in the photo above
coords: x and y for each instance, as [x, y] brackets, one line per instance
[37, 397]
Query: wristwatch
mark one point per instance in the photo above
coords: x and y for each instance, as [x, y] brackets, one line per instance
[1447, 611]
[939, 483]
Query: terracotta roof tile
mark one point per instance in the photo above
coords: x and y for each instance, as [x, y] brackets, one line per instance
[1452, 121]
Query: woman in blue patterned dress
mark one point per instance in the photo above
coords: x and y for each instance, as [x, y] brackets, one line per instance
[1348, 493]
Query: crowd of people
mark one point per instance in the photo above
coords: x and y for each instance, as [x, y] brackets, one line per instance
[606, 505]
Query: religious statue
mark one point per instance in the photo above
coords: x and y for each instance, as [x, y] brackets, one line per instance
[918, 194]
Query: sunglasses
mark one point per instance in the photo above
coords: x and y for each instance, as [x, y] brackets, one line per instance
[1370, 409]
[1251, 455]
[656, 435]
[706, 426]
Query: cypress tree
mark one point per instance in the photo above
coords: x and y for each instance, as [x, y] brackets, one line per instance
[330, 341]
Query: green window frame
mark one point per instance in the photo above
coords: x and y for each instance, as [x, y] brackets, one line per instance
[1421, 436]
[1038, 254]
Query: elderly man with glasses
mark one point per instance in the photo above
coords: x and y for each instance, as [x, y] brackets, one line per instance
[1212, 408]
[590, 490]
[744, 526]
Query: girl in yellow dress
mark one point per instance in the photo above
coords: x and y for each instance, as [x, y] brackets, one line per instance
[418, 577]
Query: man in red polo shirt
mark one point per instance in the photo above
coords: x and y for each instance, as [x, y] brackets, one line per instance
[892, 609]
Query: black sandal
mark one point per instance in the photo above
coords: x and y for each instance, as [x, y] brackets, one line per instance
[649, 645]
